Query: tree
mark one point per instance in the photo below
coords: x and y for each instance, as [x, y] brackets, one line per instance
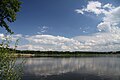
[8, 11]
[8, 68]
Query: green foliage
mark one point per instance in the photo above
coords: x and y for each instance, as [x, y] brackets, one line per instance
[68, 54]
[8, 10]
[8, 68]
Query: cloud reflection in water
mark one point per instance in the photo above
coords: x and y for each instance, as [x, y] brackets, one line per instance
[56, 66]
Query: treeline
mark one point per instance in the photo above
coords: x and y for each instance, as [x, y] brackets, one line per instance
[63, 52]
[67, 53]
[58, 52]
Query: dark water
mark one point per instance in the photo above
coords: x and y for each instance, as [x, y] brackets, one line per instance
[100, 68]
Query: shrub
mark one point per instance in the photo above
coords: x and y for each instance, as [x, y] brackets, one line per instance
[9, 70]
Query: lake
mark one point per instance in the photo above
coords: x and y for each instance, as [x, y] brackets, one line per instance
[87, 68]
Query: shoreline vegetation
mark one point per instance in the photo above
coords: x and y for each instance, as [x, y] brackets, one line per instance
[27, 53]
[30, 53]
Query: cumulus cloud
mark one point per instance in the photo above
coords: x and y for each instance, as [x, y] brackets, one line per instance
[96, 7]
[95, 42]
[101, 41]
[49, 42]
[108, 38]
[111, 21]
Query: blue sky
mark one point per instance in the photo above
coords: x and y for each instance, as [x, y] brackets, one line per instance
[58, 15]
[75, 21]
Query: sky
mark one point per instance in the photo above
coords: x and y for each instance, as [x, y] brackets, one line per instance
[67, 25]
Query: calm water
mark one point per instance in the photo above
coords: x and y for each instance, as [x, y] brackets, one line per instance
[100, 68]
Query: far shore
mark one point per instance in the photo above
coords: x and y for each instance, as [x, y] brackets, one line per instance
[65, 55]
[23, 55]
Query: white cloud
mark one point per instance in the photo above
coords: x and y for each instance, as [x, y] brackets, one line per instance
[43, 30]
[49, 42]
[96, 7]
[108, 39]
[101, 41]
[95, 42]
[79, 11]
[109, 6]
[111, 21]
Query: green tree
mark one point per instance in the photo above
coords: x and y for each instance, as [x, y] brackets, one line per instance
[8, 11]
[8, 68]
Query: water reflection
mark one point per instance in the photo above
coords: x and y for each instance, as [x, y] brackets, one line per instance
[56, 66]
